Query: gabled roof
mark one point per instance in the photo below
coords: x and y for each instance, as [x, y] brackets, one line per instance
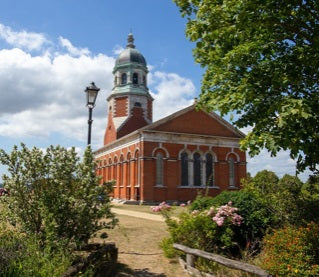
[190, 120]
[187, 121]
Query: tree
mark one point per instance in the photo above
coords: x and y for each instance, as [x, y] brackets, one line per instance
[261, 61]
[54, 194]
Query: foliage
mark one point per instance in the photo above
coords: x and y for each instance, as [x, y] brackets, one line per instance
[212, 230]
[261, 60]
[257, 217]
[292, 251]
[54, 195]
[22, 255]
[289, 200]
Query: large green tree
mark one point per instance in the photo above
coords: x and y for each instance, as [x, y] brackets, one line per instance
[261, 60]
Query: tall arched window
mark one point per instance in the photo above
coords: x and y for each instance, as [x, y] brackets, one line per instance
[123, 79]
[128, 170]
[184, 169]
[197, 170]
[121, 177]
[159, 169]
[231, 162]
[136, 165]
[135, 78]
[210, 170]
[115, 171]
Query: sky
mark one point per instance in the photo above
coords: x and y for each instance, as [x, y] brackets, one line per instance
[50, 50]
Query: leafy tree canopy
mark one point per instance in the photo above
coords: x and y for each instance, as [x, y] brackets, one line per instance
[262, 63]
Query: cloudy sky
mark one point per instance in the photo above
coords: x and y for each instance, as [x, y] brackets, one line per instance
[51, 50]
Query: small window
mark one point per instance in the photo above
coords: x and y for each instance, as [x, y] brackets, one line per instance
[209, 170]
[135, 78]
[197, 170]
[231, 162]
[137, 104]
[124, 79]
[144, 80]
[159, 169]
[184, 169]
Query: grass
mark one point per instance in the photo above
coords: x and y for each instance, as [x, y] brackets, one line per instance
[139, 252]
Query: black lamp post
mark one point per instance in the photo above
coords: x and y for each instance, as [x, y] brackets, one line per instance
[91, 94]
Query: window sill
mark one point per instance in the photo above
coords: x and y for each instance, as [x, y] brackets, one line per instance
[233, 188]
[198, 187]
[160, 186]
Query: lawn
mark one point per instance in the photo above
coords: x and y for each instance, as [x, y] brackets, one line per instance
[139, 252]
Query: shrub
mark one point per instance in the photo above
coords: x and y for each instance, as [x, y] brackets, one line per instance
[54, 195]
[211, 230]
[22, 255]
[292, 251]
[257, 218]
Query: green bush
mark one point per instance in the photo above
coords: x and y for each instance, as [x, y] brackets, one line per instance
[55, 195]
[289, 200]
[257, 217]
[292, 251]
[211, 230]
[22, 255]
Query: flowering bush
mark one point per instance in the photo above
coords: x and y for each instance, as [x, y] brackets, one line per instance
[225, 212]
[292, 251]
[212, 230]
[161, 207]
[258, 218]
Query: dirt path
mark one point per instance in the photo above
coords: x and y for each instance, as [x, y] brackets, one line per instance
[137, 238]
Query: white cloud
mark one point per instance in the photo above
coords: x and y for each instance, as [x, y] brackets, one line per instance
[44, 94]
[117, 50]
[171, 93]
[23, 39]
[281, 164]
[74, 51]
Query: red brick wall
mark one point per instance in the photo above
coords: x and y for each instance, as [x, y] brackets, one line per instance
[126, 189]
[150, 109]
[196, 122]
[110, 132]
[135, 121]
[121, 104]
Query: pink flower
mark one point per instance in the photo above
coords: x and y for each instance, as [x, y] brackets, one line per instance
[182, 205]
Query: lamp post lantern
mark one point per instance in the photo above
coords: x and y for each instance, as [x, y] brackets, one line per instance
[91, 94]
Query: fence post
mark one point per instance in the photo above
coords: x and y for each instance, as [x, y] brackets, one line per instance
[190, 260]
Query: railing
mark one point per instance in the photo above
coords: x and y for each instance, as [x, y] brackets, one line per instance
[192, 253]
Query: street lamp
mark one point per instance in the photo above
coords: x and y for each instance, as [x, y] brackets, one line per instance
[91, 94]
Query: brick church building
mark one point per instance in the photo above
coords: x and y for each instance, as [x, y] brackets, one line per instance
[172, 159]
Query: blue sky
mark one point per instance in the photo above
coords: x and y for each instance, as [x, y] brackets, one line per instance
[51, 50]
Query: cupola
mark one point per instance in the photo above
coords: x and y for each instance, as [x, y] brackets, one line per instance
[130, 103]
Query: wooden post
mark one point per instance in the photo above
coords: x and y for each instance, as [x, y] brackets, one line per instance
[190, 260]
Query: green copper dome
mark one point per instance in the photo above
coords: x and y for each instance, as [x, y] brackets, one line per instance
[130, 54]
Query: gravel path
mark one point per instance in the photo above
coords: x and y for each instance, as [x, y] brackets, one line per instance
[156, 217]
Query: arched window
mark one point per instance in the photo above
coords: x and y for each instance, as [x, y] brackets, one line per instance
[197, 170]
[159, 169]
[128, 170]
[231, 162]
[136, 166]
[184, 169]
[115, 171]
[123, 79]
[210, 170]
[121, 177]
[135, 78]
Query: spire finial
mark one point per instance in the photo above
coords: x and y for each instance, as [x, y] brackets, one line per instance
[130, 41]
